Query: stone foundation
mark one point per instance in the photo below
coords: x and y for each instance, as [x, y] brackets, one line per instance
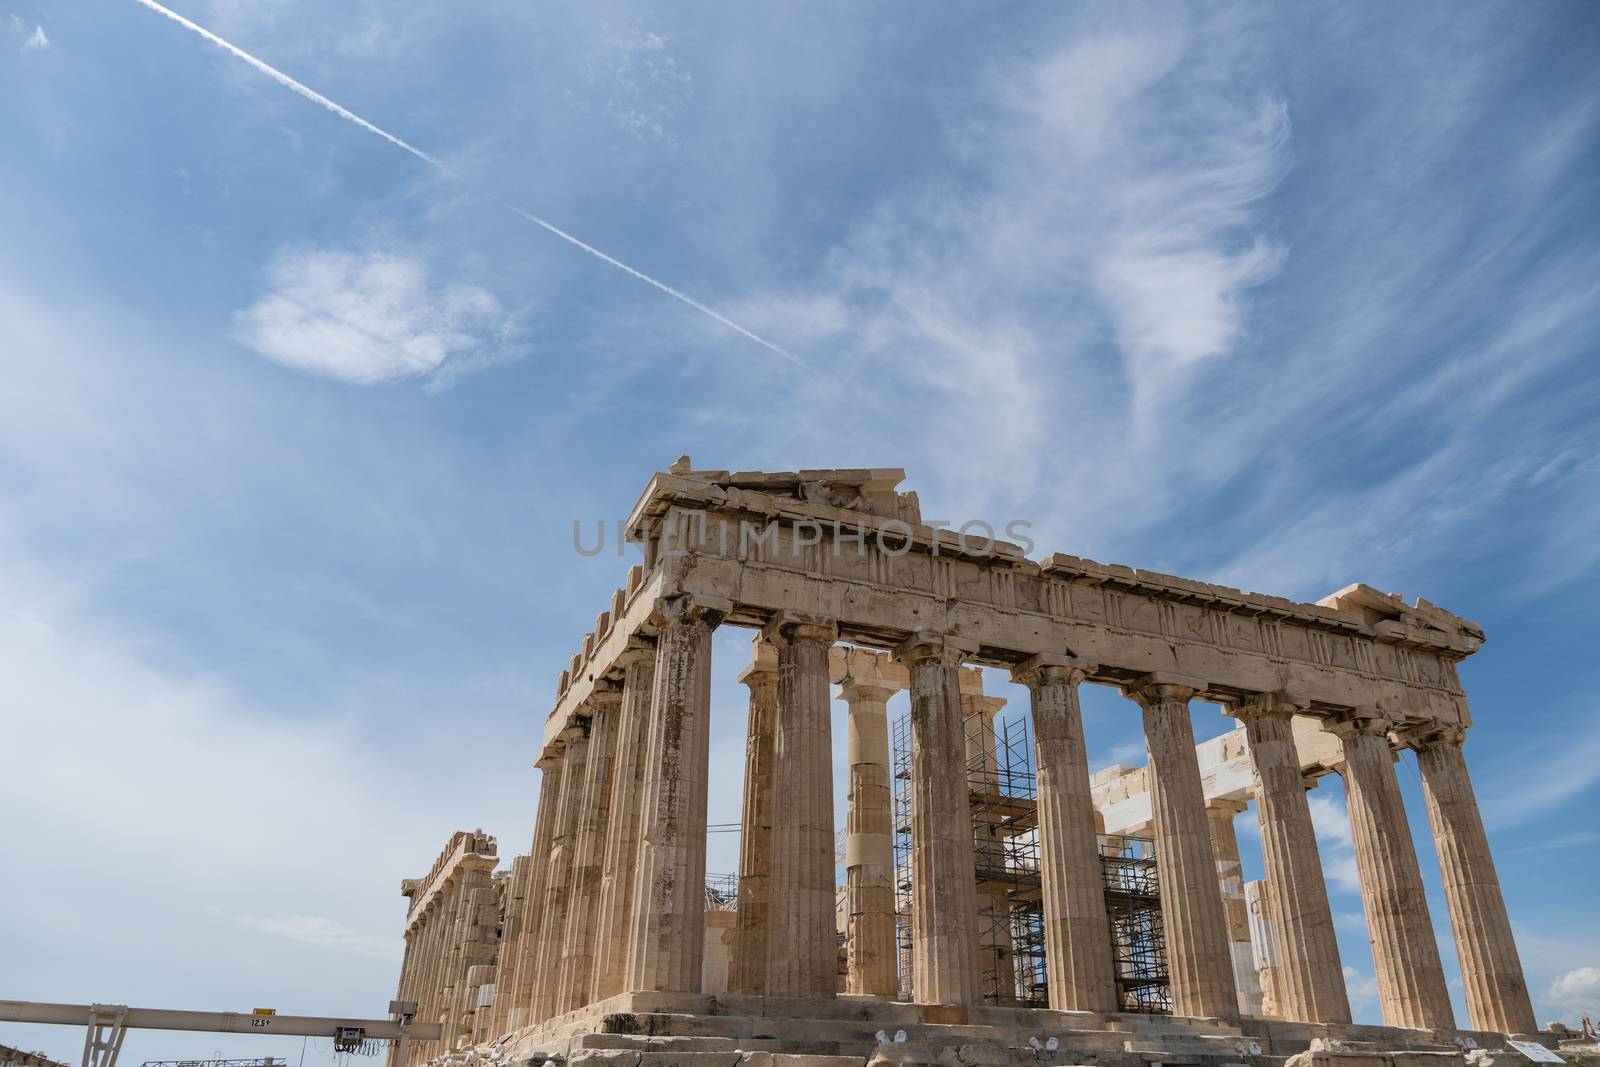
[673, 1029]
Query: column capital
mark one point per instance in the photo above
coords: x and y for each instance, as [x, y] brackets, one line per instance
[1278, 704]
[1420, 736]
[606, 692]
[1160, 686]
[763, 667]
[799, 628]
[640, 648]
[691, 608]
[1358, 722]
[1048, 669]
[989, 705]
[851, 690]
[947, 650]
[1225, 805]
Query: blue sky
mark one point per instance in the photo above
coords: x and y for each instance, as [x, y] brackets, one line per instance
[294, 428]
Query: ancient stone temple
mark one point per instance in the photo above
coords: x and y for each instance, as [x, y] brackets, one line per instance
[1091, 917]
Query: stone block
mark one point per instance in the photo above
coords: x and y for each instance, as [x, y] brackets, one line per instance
[654, 1058]
[602, 1058]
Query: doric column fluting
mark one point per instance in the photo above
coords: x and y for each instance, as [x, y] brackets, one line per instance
[511, 932]
[669, 908]
[614, 918]
[802, 958]
[578, 957]
[1077, 932]
[558, 883]
[748, 972]
[1308, 979]
[1220, 815]
[1199, 963]
[1411, 982]
[869, 843]
[944, 900]
[1262, 942]
[519, 994]
[1491, 971]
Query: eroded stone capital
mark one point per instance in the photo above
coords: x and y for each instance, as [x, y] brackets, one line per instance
[1160, 687]
[763, 669]
[1358, 722]
[946, 650]
[1279, 704]
[1045, 669]
[1222, 806]
[1422, 736]
[693, 609]
[799, 628]
[641, 648]
[607, 692]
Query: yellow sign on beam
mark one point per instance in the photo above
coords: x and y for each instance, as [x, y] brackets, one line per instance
[265, 1011]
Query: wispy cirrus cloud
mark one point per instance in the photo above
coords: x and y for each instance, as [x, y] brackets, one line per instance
[1098, 246]
[1512, 796]
[322, 932]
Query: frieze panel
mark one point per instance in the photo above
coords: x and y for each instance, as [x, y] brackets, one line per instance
[1141, 615]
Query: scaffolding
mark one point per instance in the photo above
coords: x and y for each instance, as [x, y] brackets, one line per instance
[1001, 795]
[1005, 829]
[1133, 904]
[1002, 792]
[900, 816]
[722, 892]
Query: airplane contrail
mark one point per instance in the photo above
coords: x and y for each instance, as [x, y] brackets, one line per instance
[317, 98]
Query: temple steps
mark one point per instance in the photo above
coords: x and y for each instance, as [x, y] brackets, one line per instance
[664, 1039]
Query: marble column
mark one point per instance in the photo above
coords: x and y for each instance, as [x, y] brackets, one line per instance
[511, 931]
[578, 959]
[558, 883]
[944, 900]
[1262, 944]
[1220, 815]
[1199, 963]
[1077, 932]
[669, 907]
[1491, 972]
[869, 841]
[803, 955]
[996, 955]
[1307, 974]
[614, 918]
[519, 994]
[1405, 955]
[748, 971]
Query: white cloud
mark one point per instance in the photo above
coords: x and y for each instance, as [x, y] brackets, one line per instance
[38, 40]
[370, 317]
[1127, 753]
[1331, 822]
[1577, 991]
[1362, 989]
